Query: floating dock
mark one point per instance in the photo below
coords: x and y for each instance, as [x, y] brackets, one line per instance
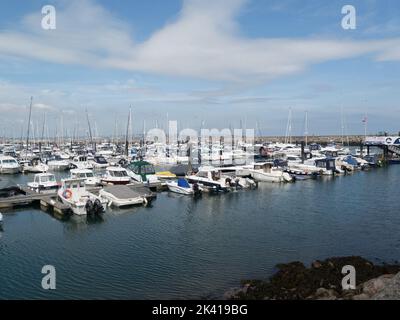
[49, 202]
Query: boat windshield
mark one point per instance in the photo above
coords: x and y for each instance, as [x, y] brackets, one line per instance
[118, 173]
[89, 175]
[148, 169]
[48, 179]
[100, 160]
[10, 161]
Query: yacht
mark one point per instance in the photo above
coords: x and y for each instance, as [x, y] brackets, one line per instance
[35, 165]
[142, 171]
[8, 165]
[44, 183]
[99, 162]
[87, 175]
[57, 163]
[211, 179]
[81, 162]
[320, 165]
[73, 193]
[266, 172]
[116, 176]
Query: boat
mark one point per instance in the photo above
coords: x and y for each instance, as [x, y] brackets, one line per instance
[1, 221]
[87, 175]
[266, 172]
[57, 163]
[43, 183]
[116, 176]
[99, 162]
[182, 186]
[142, 171]
[122, 196]
[321, 165]
[211, 179]
[238, 181]
[8, 165]
[81, 162]
[73, 193]
[165, 175]
[35, 165]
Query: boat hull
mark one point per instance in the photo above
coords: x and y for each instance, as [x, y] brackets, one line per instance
[13, 170]
[180, 190]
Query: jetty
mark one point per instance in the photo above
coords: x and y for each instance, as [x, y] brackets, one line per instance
[24, 197]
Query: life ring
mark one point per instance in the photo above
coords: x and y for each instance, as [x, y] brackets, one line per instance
[67, 194]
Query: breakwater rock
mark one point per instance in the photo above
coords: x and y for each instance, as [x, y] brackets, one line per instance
[323, 281]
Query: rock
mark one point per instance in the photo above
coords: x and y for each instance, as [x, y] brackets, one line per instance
[246, 288]
[374, 286]
[325, 294]
[316, 264]
[361, 296]
[391, 290]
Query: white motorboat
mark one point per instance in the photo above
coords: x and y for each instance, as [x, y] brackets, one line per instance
[35, 166]
[323, 165]
[265, 172]
[82, 162]
[44, 182]
[122, 196]
[239, 181]
[99, 162]
[87, 175]
[182, 186]
[58, 164]
[142, 171]
[116, 176]
[73, 193]
[8, 165]
[211, 179]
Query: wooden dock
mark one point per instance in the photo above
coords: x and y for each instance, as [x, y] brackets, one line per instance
[48, 201]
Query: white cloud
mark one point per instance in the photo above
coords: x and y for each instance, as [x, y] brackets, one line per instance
[204, 42]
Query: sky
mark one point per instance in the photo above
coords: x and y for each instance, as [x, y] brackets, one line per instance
[216, 63]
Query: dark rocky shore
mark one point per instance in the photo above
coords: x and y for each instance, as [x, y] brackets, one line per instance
[323, 281]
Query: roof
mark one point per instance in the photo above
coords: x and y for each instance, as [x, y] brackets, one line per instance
[81, 171]
[115, 169]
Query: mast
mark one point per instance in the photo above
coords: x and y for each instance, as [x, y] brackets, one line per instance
[288, 135]
[90, 129]
[43, 126]
[127, 132]
[306, 128]
[29, 125]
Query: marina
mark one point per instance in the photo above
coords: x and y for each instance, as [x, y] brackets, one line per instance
[185, 240]
[208, 150]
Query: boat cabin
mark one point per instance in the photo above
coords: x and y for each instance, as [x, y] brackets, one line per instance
[142, 168]
[326, 163]
[81, 174]
[266, 166]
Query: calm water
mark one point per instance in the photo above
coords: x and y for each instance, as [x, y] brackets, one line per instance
[182, 248]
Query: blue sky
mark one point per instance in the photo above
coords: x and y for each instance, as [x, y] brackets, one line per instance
[221, 62]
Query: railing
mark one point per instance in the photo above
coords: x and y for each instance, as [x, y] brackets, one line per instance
[394, 149]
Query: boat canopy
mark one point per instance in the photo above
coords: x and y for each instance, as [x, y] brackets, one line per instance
[183, 183]
[142, 167]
